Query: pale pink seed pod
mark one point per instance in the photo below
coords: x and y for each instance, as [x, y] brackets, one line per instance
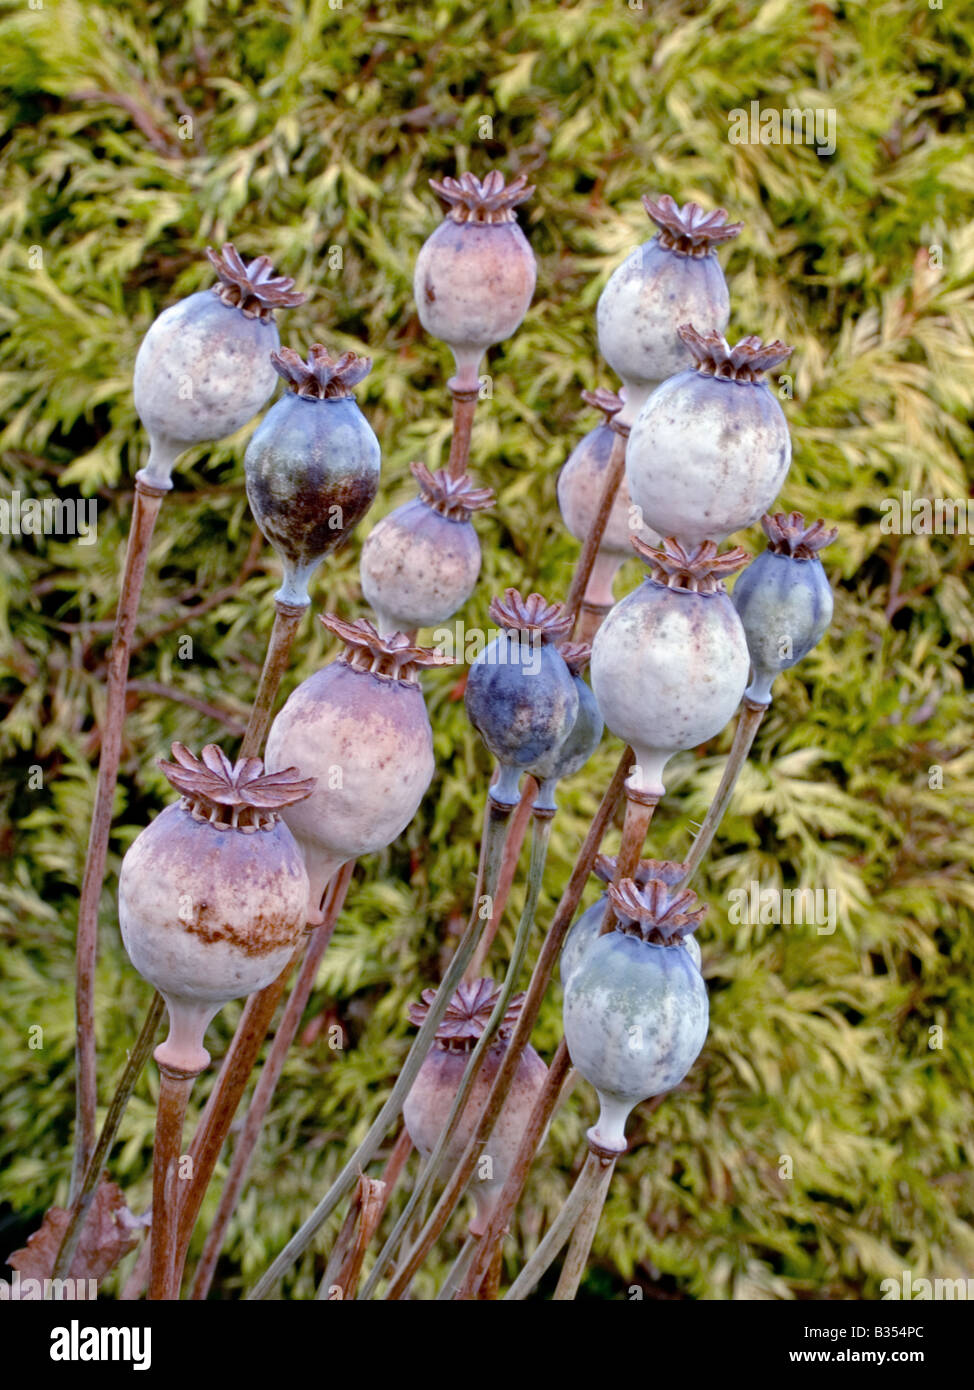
[475, 275]
[670, 662]
[580, 485]
[420, 563]
[433, 1092]
[359, 727]
[203, 368]
[212, 895]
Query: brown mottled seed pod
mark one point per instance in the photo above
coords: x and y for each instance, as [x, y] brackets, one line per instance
[203, 369]
[710, 449]
[672, 278]
[670, 662]
[428, 1104]
[358, 726]
[420, 563]
[475, 275]
[212, 894]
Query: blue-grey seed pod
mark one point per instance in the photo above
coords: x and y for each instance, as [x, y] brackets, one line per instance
[783, 599]
[571, 755]
[520, 695]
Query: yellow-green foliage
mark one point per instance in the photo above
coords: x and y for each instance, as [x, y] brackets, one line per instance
[136, 133]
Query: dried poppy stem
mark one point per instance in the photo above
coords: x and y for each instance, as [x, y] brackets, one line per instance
[459, 1269]
[615, 470]
[464, 406]
[521, 1035]
[270, 1074]
[341, 1276]
[136, 1060]
[516, 832]
[174, 1089]
[491, 1242]
[492, 846]
[287, 620]
[148, 500]
[429, 1172]
[639, 812]
[748, 723]
[561, 1228]
[582, 1237]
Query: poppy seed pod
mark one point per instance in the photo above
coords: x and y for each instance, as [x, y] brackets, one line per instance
[710, 449]
[212, 894]
[420, 563]
[588, 927]
[312, 465]
[672, 278]
[635, 1008]
[358, 726]
[203, 369]
[520, 695]
[578, 745]
[475, 275]
[783, 598]
[580, 485]
[670, 662]
[428, 1104]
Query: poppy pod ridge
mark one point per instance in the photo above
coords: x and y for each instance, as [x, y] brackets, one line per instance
[784, 598]
[670, 662]
[430, 1099]
[359, 726]
[212, 894]
[475, 275]
[203, 368]
[710, 449]
[520, 695]
[420, 563]
[312, 465]
[670, 279]
[636, 1010]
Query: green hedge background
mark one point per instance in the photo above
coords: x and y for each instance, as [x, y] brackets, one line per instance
[133, 135]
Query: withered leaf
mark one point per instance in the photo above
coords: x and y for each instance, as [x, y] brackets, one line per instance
[109, 1233]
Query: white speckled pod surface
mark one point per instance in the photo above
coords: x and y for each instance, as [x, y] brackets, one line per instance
[636, 1018]
[418, 567]
[669, 668]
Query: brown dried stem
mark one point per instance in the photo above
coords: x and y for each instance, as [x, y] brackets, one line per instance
[148, 500]
[174, 1089]
[464, 407]
[287, 620]
[615, 470]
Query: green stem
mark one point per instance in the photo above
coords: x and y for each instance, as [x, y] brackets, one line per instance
[578, 1252]
[137, 1059]
[748, 723]
[560, 1229]
[458, 1272]
[541, 834]
[492, 848]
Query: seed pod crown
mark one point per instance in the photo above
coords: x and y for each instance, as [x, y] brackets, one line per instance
[745, 361]
[394, 657]
[230, 795]
[254, 289]
[491, 201]
[657, 912]
[788, 535]
[456, 498]
[688, 230]
[666, 870]
[695, 569]
[576, 656]
[533, 614]
[607, 401]
[467, 1014]
[322, 377]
